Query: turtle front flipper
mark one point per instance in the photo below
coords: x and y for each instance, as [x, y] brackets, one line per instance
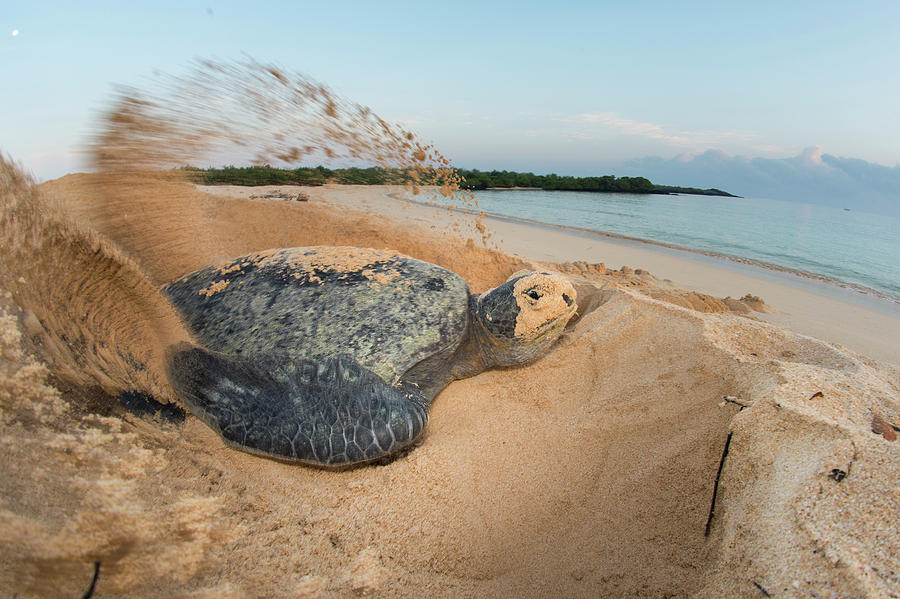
[332, 412]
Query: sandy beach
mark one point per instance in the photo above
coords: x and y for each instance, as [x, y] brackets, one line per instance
[864, 324]
[588, 473]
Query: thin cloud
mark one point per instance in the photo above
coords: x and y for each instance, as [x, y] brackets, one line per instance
[812, 155]
[411, 122]
[654, 131]
[773, 149]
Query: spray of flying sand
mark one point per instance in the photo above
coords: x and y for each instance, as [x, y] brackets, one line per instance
[257, 113]
[86, 276]
[239, 113]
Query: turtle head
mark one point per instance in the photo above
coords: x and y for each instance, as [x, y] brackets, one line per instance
[519, 320]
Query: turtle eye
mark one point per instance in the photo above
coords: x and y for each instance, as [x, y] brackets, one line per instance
[534, 294]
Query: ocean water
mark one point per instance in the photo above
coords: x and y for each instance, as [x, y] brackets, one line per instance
[853, 247]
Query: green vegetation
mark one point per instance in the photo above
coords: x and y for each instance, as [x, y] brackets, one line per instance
[256, 175]
[311, 176]
[474, 179]
[712, 191]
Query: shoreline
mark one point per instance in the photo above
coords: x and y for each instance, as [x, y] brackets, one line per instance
[660, 191]
[785, 270]
[863, 323]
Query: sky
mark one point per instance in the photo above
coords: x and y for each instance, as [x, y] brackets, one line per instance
[578, 88]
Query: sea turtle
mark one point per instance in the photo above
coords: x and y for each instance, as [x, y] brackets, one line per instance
[332, 355]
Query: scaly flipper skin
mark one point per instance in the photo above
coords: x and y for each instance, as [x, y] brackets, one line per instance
[331, 412]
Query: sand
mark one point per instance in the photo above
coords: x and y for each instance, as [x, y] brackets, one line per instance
[588, 473]
[865, 324]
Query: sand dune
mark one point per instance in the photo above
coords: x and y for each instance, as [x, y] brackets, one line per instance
[588, 473]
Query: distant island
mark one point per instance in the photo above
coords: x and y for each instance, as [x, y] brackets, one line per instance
[474, 179]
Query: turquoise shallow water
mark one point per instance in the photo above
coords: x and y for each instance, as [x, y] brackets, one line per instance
[854, 247]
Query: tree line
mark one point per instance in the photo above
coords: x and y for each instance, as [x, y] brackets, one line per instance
[473, 179]
[310, 176]
[476, 179]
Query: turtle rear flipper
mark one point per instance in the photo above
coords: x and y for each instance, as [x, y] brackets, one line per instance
[332, 412]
